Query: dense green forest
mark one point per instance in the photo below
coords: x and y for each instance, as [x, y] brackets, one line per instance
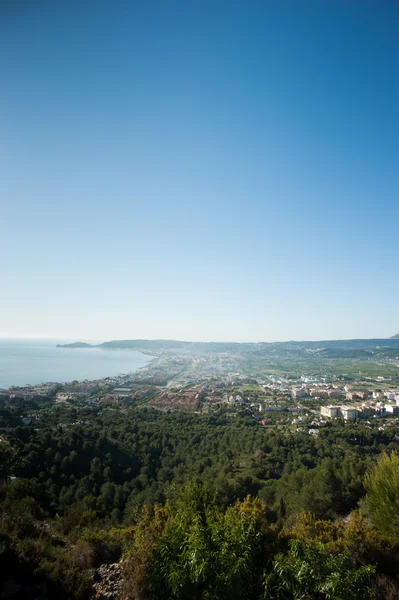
[199, 506]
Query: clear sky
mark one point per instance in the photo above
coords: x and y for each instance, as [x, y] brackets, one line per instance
[199, 170]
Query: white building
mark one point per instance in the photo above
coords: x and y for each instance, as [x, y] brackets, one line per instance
[392, 409]
[349, 412]
[392, 395]
[331, 411]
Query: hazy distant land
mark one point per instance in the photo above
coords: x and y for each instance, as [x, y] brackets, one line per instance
[361, 348]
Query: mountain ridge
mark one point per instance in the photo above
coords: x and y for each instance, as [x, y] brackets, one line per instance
[328, 348]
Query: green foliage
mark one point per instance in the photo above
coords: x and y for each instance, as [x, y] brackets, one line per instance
[309, 573]
[330, 488]
[7, 459]
[382, 499]
[106, 546]
[204, 551]
[116, 463]
[182, 499]
[32, 555]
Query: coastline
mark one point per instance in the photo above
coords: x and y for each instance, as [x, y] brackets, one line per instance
[29, 365]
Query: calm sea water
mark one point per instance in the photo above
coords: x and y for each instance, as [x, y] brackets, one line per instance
[25, 362]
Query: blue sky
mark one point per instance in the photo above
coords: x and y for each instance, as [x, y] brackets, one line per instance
[199, 170]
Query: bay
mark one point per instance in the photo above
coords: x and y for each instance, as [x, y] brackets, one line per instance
[24, 362]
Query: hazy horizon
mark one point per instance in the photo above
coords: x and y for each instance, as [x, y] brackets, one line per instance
[65, 340]
[199, 171]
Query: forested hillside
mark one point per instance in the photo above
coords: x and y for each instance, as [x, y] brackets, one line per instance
[199, 506]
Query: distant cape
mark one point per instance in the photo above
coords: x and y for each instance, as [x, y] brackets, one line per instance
[395, 337]
[75, 345]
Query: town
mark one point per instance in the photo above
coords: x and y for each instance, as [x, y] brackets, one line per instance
[283, 387]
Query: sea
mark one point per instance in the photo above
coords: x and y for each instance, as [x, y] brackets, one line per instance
[29, 362]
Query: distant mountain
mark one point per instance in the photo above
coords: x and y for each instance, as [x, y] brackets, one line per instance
[395, 337]
[351, 349]
[75, 345]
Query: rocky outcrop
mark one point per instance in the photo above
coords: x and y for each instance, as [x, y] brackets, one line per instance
[107, 582]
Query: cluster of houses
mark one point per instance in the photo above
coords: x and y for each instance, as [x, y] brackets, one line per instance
[366, 409]
[335, 390]
[43, 391]
[182, 399]
[315, 392]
